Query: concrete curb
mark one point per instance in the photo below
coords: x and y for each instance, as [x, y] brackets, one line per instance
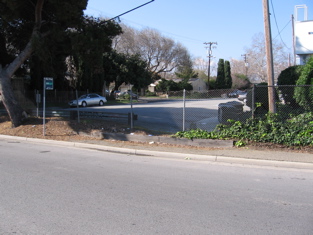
[169, 155]
[169, 140]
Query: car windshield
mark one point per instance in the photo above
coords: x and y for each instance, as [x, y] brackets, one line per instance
[82, 97]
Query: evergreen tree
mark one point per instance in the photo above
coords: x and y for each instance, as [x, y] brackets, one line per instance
[186, 72]
[228, 78]
[220, 79]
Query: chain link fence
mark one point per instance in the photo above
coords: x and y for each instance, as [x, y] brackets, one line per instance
[207, 109]
[185, 110]
[289, 100]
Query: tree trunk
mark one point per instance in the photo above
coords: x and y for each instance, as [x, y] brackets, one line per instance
[15, 111]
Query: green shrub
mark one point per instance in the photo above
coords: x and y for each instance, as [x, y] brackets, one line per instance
[149, 93]
[296, 131]
[260, 99]
[289, 77]
[304, 94]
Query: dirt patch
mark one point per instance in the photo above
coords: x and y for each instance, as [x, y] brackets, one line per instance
[57, 128]
[61, 129]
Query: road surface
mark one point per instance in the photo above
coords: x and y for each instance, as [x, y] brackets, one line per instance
[47, 189]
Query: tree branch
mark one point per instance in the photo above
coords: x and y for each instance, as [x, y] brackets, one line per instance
[38, 13]
[28, 50]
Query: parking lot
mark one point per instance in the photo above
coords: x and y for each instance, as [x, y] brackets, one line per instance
[171, 115]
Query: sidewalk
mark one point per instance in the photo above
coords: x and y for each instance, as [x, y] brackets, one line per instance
[230, 155]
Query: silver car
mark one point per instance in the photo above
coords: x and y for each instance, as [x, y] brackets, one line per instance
[88, 100]
[242, 96]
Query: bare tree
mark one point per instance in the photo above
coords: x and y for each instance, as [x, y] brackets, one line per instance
[256, 60]
[201, 67]
[238, 66]
[125, 43]
[162, 54]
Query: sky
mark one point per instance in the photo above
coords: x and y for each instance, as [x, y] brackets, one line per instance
[230, 23]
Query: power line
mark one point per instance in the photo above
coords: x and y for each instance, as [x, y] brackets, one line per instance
[117, 17]
[278, 27]
[142, 25]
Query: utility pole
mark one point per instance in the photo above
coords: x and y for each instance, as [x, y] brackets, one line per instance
[269, 57]
[210, 55]
[246, 63]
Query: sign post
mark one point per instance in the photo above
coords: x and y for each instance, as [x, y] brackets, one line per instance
[38, 101]
[47, 85]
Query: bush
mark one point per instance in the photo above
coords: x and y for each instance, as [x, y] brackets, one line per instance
[297, 131]
[304, 94]
[260, 99]
[149, 93]
[289, 76]
[240, 82]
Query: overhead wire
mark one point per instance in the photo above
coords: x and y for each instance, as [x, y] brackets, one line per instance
[144, 26]
[279, 31]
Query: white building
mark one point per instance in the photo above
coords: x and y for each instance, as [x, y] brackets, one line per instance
[303, 35]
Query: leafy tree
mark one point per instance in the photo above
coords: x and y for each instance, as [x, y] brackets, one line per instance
[27, 26]
[185, 85]
[162, 85]
[186, 72]
[129, 69]
[289, 76]
[228, 78]
[220, 79]
[185, 68]
[304, 94]
[138, 74]
[169, 85]
[89, 41]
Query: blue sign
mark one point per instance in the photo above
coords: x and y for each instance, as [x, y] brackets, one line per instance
[48, 83]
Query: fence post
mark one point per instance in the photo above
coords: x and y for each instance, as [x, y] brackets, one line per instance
[184, 107]
[77, 106]
[253, 100]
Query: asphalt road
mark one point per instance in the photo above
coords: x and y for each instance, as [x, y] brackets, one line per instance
[47, 189]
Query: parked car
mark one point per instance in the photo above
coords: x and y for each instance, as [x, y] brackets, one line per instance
[116, 93]
[88, 100]
[242, 96]
[130, 93]
[233, 94]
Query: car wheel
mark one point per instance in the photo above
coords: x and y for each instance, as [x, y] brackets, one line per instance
[84, 104]
[101, 103]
